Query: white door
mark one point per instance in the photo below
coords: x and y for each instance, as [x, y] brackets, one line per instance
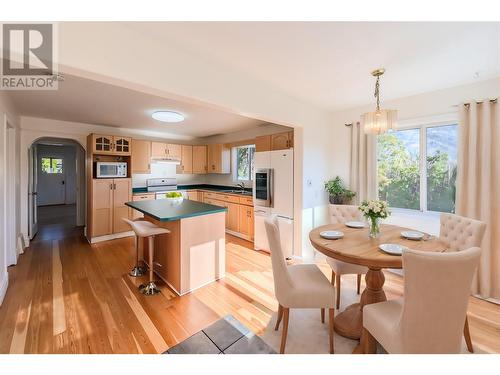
[282, 165]
[32, 193]
[51, 182]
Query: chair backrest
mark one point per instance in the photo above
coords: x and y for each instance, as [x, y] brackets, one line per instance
[282, 280]
[341, 213]
[460, 232]
[437, 289]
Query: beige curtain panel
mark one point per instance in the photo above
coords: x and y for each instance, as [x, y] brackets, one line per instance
[363, 179]
[478, 187]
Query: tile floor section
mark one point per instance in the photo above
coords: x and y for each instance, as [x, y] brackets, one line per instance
[225, 336]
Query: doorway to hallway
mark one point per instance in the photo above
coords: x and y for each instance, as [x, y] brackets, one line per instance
[57, 186]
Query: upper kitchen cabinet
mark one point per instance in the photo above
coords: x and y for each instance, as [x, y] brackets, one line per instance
[186, 165]
[112, 145]
[102, 144]
[141, 157]
[200, 159]
[219, 158]
[160, 150]
[122, 145]
[263, 143]
[282, 141]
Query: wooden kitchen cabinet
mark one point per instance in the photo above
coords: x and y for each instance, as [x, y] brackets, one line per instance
[174, 151]
[102, 207]
[186, 165]
[232, 220]
[160, 150]
[219, 158]
[282, 141]
[122, 193]
[195, 195]
[263, 143]
[112, 145]
[108, 205]
[246, 221]
[140, 197]
[200, 159]
[141, 157]
[122, 145]
[102, 144]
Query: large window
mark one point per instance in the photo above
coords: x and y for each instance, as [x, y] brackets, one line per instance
[52, 165]
[244, 162]
[416, 168]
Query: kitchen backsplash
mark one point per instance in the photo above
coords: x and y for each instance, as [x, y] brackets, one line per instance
[166, 170]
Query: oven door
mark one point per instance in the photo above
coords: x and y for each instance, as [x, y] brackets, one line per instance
[263, 187]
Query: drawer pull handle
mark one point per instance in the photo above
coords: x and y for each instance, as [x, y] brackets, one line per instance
[157, 264]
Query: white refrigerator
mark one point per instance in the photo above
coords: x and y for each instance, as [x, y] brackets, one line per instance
[279, 167]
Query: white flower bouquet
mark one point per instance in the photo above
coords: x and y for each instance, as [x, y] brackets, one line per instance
[373, 211]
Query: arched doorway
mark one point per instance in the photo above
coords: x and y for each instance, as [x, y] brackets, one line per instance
[56, 189]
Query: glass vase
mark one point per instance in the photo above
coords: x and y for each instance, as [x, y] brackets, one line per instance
[374, 227]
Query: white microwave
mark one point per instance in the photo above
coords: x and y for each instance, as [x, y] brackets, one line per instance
[111, 169]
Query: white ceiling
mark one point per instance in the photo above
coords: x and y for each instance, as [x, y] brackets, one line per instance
[92, 102]
[329, 63]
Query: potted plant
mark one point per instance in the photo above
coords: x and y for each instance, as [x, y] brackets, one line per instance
[338, 193]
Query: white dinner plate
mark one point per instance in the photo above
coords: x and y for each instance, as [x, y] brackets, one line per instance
[392, 248]
[332, 234]
[355, 224]
[412, 235]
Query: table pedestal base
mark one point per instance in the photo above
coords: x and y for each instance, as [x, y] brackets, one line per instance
[349, 323]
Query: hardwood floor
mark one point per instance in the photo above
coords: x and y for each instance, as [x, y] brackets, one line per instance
[66, 296]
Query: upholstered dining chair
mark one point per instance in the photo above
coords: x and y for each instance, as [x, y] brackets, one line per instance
[301, 286]
[430, 317]
[340, 214]
[460, 233]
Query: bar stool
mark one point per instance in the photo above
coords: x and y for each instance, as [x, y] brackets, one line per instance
[147, 229]
[137, 271]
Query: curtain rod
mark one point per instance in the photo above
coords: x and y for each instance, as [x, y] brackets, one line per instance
[478, 102]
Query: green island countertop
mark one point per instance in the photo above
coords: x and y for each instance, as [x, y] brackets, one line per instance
[164, 210]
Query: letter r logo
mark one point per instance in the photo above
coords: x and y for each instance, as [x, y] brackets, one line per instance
[28, 49]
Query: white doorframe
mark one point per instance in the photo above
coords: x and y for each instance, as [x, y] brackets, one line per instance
[80, 156]
[10, 204]
[32, 182]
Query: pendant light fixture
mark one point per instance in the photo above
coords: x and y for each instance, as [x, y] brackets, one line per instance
[381, 120]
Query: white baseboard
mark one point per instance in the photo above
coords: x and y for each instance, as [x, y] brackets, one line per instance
[20, 245]
[4, 283]
[112, 236]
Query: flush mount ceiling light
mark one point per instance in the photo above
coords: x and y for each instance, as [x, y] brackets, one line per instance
[381, 120]
[168, 116]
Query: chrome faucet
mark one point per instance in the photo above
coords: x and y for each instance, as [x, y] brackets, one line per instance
[241, 186]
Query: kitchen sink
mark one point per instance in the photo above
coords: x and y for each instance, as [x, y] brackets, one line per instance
[237, 192]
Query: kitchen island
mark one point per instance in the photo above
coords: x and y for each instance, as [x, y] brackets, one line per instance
[193, 253]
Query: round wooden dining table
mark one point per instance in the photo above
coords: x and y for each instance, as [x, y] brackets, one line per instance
[358, 248]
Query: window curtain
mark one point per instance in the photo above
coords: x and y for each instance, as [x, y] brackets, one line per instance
[478, 187]
[363, 179]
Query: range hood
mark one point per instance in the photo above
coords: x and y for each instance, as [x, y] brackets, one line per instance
[165, 159]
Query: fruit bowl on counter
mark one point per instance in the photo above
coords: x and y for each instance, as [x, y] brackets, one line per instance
[174, 197]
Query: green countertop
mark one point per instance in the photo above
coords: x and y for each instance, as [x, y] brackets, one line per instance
[163, 210]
